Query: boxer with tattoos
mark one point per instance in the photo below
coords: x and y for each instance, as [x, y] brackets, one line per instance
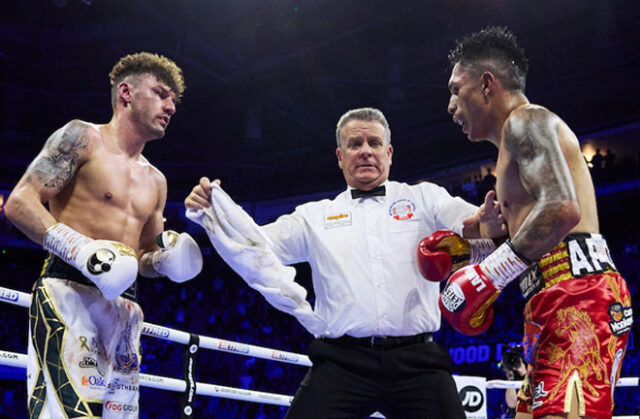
[103, 226]
[578, 314]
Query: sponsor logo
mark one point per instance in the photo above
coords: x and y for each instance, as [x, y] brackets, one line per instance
[452, 298]
[402, 209]
[126, 357]
[531, 281]
[88, 362]
[337, 217]
[191, 382]
[126, 387]
[471, 398]
[8, 295]
[274, 397]
[114, 406]
[151, 378]
[93, 381]
[337, 220]
[478, 283]
[235, 391]
[233, 347]
[284, 356]
[158, 331]
[621, 318]
[470, 354]
[538, 393]
[101, 261]
[7, 355]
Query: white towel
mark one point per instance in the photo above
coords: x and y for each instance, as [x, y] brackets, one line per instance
[247, 250]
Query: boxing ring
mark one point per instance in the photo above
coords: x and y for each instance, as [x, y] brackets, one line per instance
[190, 388]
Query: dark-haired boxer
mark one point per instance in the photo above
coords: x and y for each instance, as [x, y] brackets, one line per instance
[105, 213]
[578, 316]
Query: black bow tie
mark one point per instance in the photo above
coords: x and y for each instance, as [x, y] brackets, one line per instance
[377, 191]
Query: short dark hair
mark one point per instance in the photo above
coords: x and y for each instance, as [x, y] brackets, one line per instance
[160, 66]
[495, 49]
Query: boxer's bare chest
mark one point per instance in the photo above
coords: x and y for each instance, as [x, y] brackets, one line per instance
[117, 181]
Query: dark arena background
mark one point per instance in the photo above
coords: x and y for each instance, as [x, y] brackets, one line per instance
[266, 83]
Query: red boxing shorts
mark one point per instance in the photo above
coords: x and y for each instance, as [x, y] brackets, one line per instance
[576, 331]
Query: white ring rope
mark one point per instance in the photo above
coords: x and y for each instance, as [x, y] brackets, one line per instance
[504, 384]
[23, 299]
[18, 360]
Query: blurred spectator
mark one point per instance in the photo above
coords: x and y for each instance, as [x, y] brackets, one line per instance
[597, 161]
[488, 184]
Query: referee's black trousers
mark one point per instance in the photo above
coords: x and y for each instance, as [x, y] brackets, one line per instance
[350, 379]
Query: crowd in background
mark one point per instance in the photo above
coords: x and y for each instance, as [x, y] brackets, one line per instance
[605, 168]
[219, 304]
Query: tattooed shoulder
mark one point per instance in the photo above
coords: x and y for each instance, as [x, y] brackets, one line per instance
[528, 132]
[58, 161]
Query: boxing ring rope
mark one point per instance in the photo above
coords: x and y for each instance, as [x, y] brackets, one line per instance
[504, 384]
[23, 299]
[18, 360]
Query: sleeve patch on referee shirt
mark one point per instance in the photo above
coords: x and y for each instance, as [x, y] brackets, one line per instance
[337, 220]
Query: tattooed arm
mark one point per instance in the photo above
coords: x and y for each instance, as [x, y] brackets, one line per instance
[532, 140]
[63, 153]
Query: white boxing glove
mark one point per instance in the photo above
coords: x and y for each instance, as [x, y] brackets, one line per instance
[111, 265]
[179, 257]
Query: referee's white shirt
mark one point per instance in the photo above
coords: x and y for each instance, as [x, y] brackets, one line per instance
[362, 254]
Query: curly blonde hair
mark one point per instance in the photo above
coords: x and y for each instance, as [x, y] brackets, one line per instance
[160, 66]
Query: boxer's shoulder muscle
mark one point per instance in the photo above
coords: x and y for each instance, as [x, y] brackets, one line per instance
[64, 151]
[531, 139]
[160, 185]
[156, 176]
[528, 131]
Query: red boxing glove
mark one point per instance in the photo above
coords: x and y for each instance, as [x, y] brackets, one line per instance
[445, 251]
[466, 301]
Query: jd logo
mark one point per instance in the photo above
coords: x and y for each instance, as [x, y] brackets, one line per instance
[471, 398]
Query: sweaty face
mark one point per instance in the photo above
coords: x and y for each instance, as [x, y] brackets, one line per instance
[364, 157]
[467, 103]
[152, 105]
